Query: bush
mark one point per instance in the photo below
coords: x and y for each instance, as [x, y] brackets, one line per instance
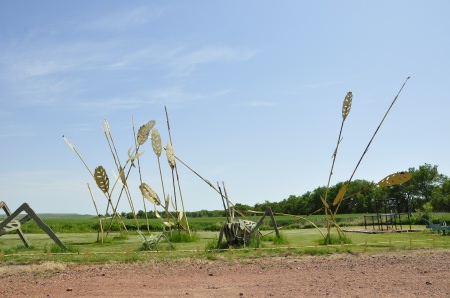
[182, 237]
[212, 244]
[332, 239]
[277, 240]
[53, 248]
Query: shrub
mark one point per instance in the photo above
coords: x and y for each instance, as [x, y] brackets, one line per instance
[277, 240]
[181, 237]
[331, 239]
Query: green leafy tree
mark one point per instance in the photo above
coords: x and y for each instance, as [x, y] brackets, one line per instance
[361, 196]
[140, 214]
[440, 198]
[420, 188]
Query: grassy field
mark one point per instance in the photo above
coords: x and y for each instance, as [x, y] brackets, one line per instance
[73, 223]
[80, 236]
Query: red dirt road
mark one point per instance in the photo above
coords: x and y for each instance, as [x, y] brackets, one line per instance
[417, 273]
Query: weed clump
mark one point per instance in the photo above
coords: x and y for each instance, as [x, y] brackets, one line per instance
[53, 248]
[278, 240]
[183, 237]
[335, 240]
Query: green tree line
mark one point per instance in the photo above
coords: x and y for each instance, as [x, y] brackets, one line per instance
[151, 214]
[427, 186]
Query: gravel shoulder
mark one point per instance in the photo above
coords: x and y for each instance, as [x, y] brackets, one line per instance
[409, 273]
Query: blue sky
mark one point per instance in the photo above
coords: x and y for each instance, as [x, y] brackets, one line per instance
[253, 89]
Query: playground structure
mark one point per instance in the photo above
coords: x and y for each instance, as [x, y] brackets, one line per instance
[437, 227]
[12, 224]
[391, 213]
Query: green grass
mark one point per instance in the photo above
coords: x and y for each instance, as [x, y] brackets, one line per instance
[83, 247]
[83, 244]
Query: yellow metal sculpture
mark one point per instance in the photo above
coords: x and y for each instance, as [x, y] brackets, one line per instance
[179, 219]
[390, 180]
[108, 186]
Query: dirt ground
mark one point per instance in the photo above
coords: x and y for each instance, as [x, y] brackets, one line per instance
[417, 273]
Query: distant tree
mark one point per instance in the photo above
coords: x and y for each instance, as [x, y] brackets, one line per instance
[426, 185]
[140, 214]
[440, 198]
[360, 194]
[242, 207]
[218, 213]
[151, 214]
[426, 179]
[420, 188]
[203, 213]
[262, 206]
[289, 205]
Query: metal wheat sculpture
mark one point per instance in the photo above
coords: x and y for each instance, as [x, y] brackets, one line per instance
[181, 215]
[100, 233]
[149, 194]
[393, 179]
[140, 139]
[101, 179]
[121, 178]
[103, 182]
[123, 171]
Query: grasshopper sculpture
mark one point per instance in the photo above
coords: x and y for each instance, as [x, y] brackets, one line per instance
[239, 232]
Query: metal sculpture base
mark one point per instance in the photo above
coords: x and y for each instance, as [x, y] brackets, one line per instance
[11, 224]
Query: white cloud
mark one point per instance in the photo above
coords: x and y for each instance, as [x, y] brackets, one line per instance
[112, 104]
[171, 95]
[187, 62]
[122, 21]
[17, 130]
[71, 72]
[314, 85]
[262, 104]
[83, 127]
[176, 95]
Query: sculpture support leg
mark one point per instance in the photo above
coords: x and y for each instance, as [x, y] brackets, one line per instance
[19, 231]
[25, 207]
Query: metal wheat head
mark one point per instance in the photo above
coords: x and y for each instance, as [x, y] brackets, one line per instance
[170, 155]
[144, 131]
[156, 142]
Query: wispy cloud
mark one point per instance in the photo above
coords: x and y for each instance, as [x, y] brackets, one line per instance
[122, 21]
[112, 104]
[313, 85]
[15, 134]
[82, 127]
[171, 95]
[70, 72]
[14, 129]
[186, 62]
[43, 59]
[55, 74]
[176, 95]
[39, 181]
[261, 104]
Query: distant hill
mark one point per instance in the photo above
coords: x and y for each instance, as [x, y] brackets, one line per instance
[65, 215]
